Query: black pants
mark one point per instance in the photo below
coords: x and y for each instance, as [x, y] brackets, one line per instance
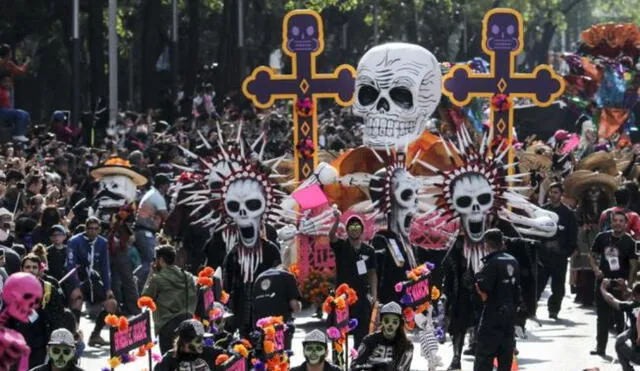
[166, 335]
[585, 281]
[494, 342]
[123, 284]
[362, 312]
[554, 266]
[626, 353]
[606, 314]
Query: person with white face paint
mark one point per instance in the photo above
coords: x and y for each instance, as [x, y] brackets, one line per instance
[388, 348]
[315, 353]
[189, 351]
[61, 350]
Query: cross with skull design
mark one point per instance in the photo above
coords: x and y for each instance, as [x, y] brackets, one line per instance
[302, 41]
[502, 40]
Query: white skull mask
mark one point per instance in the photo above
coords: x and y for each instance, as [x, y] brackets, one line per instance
[245, 203]
[404, 202]
[397, 88]
[123, 188]
[61, 355]
[472, 198]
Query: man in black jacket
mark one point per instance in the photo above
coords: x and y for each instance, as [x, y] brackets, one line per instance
[555, 251]
[498, 284]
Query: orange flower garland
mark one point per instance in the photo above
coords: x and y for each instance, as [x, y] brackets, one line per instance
[147, 302]
[122, 323]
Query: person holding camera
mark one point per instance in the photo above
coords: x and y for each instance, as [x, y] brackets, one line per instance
[88, 254]
[626, 353]
[616, 252]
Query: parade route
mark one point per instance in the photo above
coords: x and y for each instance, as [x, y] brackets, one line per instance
[561, 345]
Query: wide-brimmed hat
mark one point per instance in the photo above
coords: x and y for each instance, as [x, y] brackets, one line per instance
[528, 161]
[580, 181]
[601, 162]
[118, 166]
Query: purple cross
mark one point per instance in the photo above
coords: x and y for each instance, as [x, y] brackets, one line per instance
[502, 40]
[303, 41]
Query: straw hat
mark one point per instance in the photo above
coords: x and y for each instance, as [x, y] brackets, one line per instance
[580, 181]
[602, 162]
[532, 161]
[118, 166]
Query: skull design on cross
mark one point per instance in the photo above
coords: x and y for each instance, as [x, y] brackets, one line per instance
[397, 89]
[302, 33]
[503, 31]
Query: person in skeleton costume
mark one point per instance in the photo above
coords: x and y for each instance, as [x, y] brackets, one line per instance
[389, 348]
[314, 346]
[21, 295]
[189, 352]
[61, 349]
[114, 205]
[246, 202]
[477, 193]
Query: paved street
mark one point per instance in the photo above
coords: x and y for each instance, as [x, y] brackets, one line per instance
[554, 346]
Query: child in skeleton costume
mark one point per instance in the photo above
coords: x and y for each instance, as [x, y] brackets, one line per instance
[61, 349]
[428, 340]
[389, 348]
[21, 295]
[314, 347]
[478, 194]
[115, 206]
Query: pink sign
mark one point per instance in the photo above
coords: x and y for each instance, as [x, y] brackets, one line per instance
[279, 339]
[418, 292]
[342, 318]
[208, 300]
[138, 333]
[310, 197]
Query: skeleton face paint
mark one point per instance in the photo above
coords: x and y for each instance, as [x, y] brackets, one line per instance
[196, 345]
[245, 203]
[397, 89]
[473, 199]
[314, 353]
[390, 324]
[61, 355]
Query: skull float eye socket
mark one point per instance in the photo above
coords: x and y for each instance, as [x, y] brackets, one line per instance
[254, 204]
[464, 201]
[484, 198]
[367, 95]
[402, 97]
[233, 206]
[406, 194]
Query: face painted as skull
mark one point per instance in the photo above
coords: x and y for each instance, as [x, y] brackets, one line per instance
[245, 203]
[195, 346]
[404, 202]
[472, 197]
[397, 89]
[502, 32]
[390, 325]
[302, 33]
[61, 355]
[314, 353]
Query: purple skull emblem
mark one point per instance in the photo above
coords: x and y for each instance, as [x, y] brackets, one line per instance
[302, 33]
[503, 30]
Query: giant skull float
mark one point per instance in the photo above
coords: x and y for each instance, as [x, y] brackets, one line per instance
[21, 295]
[398, 86]
[479, 189]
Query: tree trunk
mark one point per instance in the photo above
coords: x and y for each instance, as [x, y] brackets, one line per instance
[228, 55]
[193, 54]
[96, 40]
[539, 53]
[151, 49]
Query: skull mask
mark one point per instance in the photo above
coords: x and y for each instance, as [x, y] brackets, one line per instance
[397, 88]
[22, 294]
[472, 197]
[390, 325]
[119, 190]
[245, 203]
[314, 353]
[61, 355]
[404, 202]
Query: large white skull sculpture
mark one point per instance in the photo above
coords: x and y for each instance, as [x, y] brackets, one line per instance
[245, 203]
[405, 202]
[121, 186]
[397, 89]
[472, 197]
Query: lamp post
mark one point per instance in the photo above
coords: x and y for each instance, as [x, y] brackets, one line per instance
[75, 42]
[113, 63]
[174, 47]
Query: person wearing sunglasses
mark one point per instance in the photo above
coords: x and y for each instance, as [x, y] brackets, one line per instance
[356, 266]
[62, 352]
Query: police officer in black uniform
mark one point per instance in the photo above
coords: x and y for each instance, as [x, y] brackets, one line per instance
[498, 283]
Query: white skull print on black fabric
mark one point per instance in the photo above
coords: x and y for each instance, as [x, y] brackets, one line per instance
[405, 202]
[473, 200]
[398, 86]
[198, 365]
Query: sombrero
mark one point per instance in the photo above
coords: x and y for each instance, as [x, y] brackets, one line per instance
[533, 161]
[602, 162]
[118, 166]
[580, 181]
